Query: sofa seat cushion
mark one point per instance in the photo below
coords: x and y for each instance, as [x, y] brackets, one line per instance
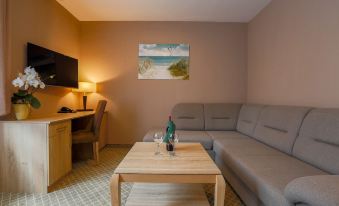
[150, 134]
[226, 135]
[265, 171]
[196, 136]
[242, 146]
[186, 136]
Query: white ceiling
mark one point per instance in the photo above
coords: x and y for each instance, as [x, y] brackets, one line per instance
[165, 10]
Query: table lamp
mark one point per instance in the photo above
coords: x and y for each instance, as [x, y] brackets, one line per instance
[85, 87]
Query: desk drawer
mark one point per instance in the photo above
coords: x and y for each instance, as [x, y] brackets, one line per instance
[59, 128]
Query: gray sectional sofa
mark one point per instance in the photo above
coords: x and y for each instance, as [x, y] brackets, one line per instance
[271, 155]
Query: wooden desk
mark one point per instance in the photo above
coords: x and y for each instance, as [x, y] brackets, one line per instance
[37, 152]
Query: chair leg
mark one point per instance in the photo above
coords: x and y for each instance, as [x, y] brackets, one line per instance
[96, 151]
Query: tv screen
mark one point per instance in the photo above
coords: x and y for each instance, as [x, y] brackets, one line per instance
[47, 63]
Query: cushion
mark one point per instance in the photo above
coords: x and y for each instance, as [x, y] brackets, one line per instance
[186, 136]
[314, 190]
[188, 116]
[243, 146]
[318, 141]
[225, 135]
[278, 126]
[265, 170]
[195, 136]
[248, 117]
[221, 116]
[83, 136]
[150, 134]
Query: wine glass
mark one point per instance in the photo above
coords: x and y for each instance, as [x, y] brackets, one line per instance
[158, 138]
[174, 139]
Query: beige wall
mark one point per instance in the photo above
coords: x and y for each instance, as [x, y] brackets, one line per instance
[48, 24]
[293, 54]
[109, 54]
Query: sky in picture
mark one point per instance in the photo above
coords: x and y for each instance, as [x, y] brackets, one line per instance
[164, 50]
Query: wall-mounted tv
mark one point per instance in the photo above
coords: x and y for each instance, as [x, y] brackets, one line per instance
[48, 63]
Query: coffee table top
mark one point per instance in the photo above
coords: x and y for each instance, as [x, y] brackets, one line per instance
[190, 158]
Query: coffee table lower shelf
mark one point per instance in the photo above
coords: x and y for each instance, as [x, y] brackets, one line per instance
[218, 180]
[151, 194]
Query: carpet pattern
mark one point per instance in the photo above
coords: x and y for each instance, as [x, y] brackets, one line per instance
[89, 185]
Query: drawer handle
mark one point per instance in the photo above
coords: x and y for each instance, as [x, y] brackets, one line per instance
[61, 129]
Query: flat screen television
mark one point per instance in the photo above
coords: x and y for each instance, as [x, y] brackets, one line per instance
[48, 63]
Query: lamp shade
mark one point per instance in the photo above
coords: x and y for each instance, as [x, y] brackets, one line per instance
[86, 87]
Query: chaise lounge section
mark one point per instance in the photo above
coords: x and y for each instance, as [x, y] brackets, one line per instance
[271, 155]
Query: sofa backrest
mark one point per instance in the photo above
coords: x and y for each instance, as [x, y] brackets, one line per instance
[221, 116]
[188, 116]
[278, 126]
[318, 141]
[248, 117]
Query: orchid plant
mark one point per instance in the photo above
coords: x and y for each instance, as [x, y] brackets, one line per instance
[28, 83]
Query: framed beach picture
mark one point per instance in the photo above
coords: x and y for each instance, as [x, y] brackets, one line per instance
[163, 61]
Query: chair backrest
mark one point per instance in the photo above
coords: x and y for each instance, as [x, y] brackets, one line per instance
[99, 113]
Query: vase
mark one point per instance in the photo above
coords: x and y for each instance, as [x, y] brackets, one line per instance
[21, 111]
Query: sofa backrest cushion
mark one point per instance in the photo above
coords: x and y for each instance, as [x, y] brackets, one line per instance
[278, 126]
[318, 141]
[248, 117]
[221, 116]
[188, 116]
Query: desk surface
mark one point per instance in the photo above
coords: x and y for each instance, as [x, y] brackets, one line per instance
[48, 119]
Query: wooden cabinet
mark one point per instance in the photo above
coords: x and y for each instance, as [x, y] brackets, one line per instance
[60, 151]
[36, 153]
[23, 157]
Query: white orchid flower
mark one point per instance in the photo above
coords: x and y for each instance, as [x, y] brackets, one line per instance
[27, 70]
[30, 78]
[42, 85]
[35, 83]
[18, 82]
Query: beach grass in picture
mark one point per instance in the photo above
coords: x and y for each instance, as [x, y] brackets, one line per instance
[163, 61]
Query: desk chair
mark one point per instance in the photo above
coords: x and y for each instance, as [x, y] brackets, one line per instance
[92, 132]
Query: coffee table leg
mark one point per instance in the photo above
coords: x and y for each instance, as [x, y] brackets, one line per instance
[219, 194]
[115, 190]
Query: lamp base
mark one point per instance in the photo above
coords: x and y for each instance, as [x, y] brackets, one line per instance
[84, 110]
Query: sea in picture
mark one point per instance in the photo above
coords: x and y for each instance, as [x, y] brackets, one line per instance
[163, 61]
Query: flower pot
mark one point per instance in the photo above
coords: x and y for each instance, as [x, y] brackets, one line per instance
[21, 111]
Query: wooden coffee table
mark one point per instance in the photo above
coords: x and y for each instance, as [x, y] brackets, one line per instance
[191, 164]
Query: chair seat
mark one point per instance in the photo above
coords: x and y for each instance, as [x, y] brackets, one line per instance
[83, 136]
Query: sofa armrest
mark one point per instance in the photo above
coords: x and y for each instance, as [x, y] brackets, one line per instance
[149, 135]
[314, 190]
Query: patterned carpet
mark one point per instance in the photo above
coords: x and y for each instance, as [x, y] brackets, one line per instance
[89, 185]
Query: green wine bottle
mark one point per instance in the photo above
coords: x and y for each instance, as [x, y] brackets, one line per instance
[170, 130]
